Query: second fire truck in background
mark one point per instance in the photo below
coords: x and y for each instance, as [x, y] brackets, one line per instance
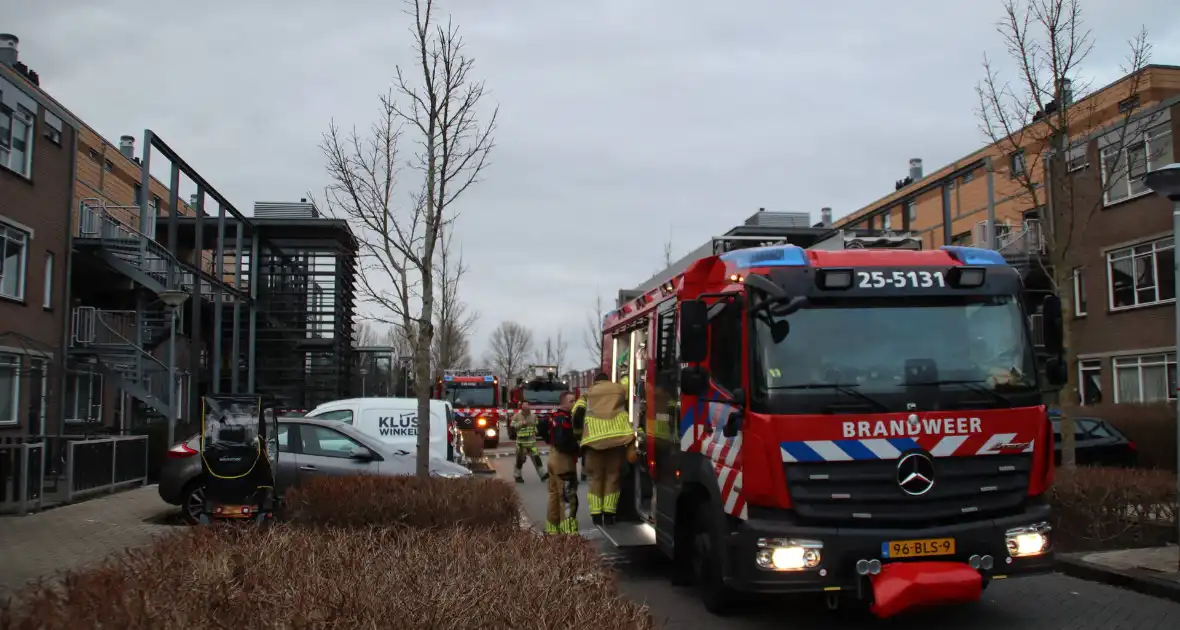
[541, 388]
[476, 397]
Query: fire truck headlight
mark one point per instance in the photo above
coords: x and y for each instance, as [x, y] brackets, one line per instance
[776, 554]
[1032, 540]
[835, 278]
[967, 277]
[491, 433]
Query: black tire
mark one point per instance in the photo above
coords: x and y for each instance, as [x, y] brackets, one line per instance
[706, 559]
[193, 502]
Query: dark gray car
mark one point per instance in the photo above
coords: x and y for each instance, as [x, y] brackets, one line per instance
[307, 447]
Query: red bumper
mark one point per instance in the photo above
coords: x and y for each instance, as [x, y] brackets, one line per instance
[903, 586]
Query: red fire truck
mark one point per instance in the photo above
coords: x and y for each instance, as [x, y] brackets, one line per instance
[541, 388]
[475, 395]
[863, 423]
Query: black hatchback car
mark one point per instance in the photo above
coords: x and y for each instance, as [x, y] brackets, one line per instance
[1096, 443]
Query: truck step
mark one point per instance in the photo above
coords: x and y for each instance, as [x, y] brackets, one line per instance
[629, 534]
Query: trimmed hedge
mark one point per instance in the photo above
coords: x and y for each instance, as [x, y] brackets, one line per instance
[1152, 428]
[295, 577]
[368, 500]
[1097, 509]
[355, 552]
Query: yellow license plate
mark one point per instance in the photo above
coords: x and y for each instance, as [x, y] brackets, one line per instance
[918, 548]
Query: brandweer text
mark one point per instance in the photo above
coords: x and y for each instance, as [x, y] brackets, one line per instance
[904, 428]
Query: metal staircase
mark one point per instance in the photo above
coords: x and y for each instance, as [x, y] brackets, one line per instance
[112, 342]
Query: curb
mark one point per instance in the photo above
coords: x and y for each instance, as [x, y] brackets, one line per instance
[1138, 581]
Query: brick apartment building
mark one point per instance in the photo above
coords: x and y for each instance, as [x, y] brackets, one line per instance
[1122, 262]
[37, 140]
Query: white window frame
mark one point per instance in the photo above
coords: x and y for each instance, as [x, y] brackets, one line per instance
[28, 119]
[1124, 253]
[1079, 290]
[10, 363]
[7, 233]
[1017, 158]
[1121, 168]
[911, 209]
[71, 407]
[1089, 365]
[47, 299]
[887, 221]
[54, 127]
[1137, 363]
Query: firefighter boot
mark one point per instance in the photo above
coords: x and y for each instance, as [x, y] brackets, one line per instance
[518, 474]
[541, 472]
[608, 519]
[596, 519]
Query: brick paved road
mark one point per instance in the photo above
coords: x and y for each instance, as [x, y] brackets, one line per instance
[1051, 602]
[38, 545]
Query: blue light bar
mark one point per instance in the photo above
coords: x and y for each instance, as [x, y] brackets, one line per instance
[773, 256]
[608, 316]
[974, 255]
[448, 377]
[487, 379]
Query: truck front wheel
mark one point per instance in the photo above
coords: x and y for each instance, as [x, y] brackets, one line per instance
[707, 562]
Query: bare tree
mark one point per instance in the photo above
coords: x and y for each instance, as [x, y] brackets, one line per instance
[560, 349]
[1039, 121]
[437, 101]
[511, 344]
[668, 250]
[592, 335]
[454, 322]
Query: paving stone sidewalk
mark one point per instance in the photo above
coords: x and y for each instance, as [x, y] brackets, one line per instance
[41, 544]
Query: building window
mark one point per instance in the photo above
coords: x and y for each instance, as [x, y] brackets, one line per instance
[887, 220]
[1090, 381]
[1123, 170]
[1076, 158]
[16, 139]
[911, 209]
[968, 176]
[14, 246]
[93, 154]
[155, 205]
[1142, 275]
[962, 238]
[1079, 293]
[109, 166]
[1016, 163]
[47, 299]
[83, 401]
[1145, 379]
[53, 128]
[9, 388]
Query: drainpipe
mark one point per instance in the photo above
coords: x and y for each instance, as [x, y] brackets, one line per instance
[67, 303]
[991, 203]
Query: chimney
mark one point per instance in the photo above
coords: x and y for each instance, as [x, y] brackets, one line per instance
[915, 169]
[1066, 89]
[825, 217]
[127, 146]
[8, 49]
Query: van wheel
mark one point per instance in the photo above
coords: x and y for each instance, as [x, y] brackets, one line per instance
[193, 503]
[707, 563]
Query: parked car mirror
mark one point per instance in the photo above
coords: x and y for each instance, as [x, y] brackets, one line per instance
[361, 453]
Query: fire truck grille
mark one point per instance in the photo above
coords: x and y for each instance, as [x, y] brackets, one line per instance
[868, 492]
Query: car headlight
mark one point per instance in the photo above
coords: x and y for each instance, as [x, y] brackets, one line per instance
[1032, 540]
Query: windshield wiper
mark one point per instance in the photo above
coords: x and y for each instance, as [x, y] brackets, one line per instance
[975, 386]
[843, 388]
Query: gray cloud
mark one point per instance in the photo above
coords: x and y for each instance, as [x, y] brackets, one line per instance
[620, 120]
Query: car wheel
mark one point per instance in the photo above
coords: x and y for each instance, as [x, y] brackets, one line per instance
[707, 562]
[193, 503]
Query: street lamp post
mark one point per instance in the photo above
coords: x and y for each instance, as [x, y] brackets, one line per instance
[1166, 181]
[172, 300]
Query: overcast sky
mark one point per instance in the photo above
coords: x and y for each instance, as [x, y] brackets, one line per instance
[621, 121]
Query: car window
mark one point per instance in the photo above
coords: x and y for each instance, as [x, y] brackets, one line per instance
[285, 438]
[340, 415]
[1095, 429]
[326, 442]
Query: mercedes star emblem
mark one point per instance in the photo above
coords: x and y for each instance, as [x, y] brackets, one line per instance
[915, 474]
[913, 419]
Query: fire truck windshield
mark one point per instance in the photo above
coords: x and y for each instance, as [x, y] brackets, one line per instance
[472, 396]
[926, 351]
[542, 396]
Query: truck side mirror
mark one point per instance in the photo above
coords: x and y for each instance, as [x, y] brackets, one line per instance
[694, 331]
[1052, 326]
[694, 380]
[1056, 373]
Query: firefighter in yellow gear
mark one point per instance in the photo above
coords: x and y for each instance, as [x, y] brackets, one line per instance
[562, 513]
[525, 423]
[605, 436]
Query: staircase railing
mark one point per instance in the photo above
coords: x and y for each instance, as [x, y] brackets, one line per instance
[1028, 240]
[95, 221]
[109, 333]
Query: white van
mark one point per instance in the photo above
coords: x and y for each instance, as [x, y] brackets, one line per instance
[394, 421]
